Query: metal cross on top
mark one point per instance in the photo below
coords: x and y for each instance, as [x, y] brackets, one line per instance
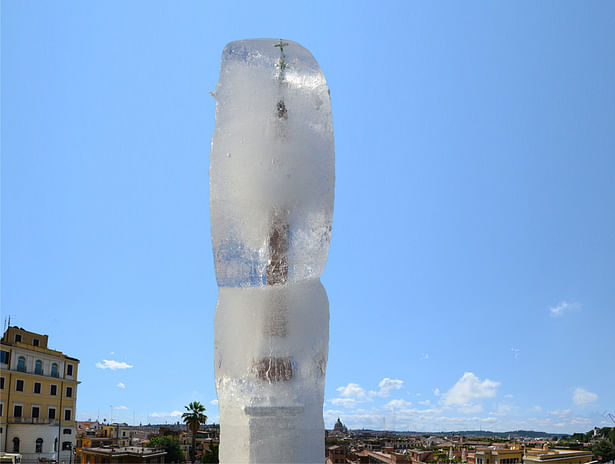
[281, 45]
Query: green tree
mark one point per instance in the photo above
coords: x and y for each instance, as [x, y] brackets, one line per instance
[604, 451]
[211, 454]
[193, 419]
[612, 435]
[171, 446]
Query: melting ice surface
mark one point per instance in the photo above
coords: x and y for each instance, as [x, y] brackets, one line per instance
[271, 180]
[270, 166]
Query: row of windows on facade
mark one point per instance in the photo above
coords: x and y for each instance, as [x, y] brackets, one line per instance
[38, 365]
[35, 341]
[66, 445]
[36, 410]
[53, 389]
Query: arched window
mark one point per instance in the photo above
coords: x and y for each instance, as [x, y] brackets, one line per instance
[54, 370]
[39, 445]
[55, 445]
[15, 445]
[38, 367]
[21, 364]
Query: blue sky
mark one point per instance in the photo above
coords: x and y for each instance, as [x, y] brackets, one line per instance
[470, 276]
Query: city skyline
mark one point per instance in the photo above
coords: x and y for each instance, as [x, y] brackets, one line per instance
[470, 270]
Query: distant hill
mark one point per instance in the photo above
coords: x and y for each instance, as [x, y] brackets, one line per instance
[513, 434]
[474, 433]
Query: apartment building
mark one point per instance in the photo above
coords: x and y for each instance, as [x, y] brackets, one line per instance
[38, 388]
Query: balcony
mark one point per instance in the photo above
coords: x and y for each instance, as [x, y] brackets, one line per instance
[32, 420]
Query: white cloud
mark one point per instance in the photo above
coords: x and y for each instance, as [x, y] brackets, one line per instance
[214, 402]
[345, 402]
[352, 390]
[582, 397]
[468, 388]
[121, 385]
[508, 395]
[386, 385]
[424, 356]
[166, 414]
[398, 404]
[436, 392]
[425, 403]
[121, 408]
[515, 352]
[562, 308]
[581, 421]
[471, 409]
[113, 365]
[560, 412]
[504, 408]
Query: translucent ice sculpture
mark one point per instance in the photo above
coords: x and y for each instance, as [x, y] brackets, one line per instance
[271, 181]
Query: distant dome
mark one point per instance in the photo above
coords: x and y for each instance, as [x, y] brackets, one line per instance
[339, 427]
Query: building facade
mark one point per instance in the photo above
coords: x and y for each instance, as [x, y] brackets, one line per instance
[556, 456]
[120, 455]
[38, 400]
[498, 455]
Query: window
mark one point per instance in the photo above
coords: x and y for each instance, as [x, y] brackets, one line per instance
[66, 432]
[39, 445]
[38, 367]
[54, 370]
[19, 385]
[67, 445]
[21, 364]
[52, 413]
[37, 387]
[15, 445]
[35, 412]
[17, 338]
[53, 390]
[67, 414]
[69, 392]
[69, 369]
[36, 342]
[1, 383]
[4, 357]
[1, 409]
[17, 410]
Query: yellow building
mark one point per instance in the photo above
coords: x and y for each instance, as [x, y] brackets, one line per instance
[496, 455]
[38, 400]
[120, 455]
[556, 456]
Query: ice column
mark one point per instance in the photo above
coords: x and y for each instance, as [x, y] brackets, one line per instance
[271, 181]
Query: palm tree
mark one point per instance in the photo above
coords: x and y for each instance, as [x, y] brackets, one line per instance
[193, 419]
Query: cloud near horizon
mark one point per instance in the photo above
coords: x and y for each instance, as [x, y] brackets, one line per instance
[166, 414]
[352, 390]
[469, 388]
[582, 397]
[385, 386]
[113, 365]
